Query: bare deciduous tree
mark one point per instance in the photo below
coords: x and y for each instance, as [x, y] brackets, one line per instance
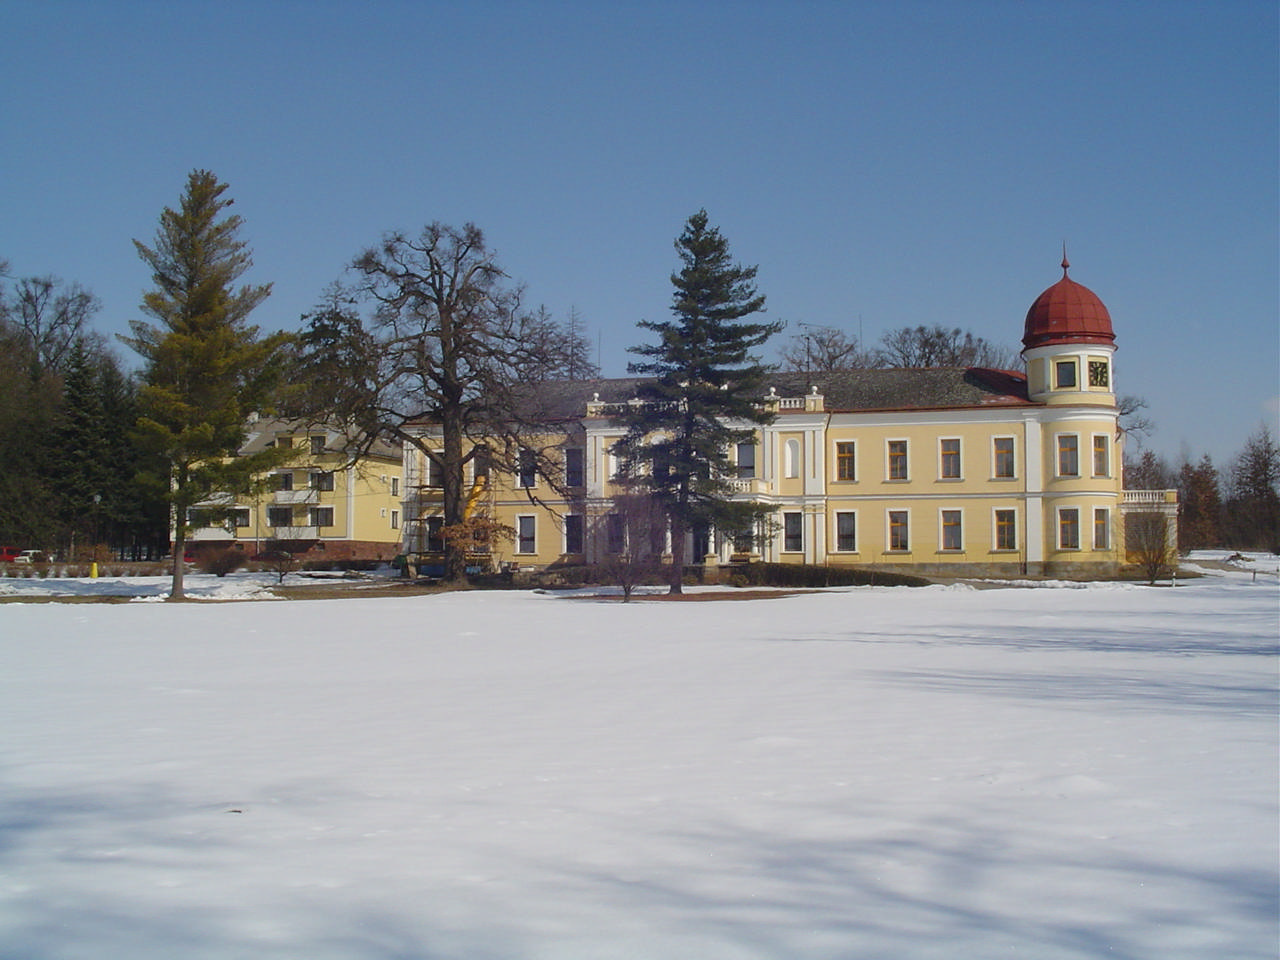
[1148, 542]
[824, 349]
[938, 346]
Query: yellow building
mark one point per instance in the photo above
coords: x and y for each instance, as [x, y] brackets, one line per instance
[319, 506]
[936, 471]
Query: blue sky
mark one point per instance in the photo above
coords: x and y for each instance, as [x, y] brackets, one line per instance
[885, 164]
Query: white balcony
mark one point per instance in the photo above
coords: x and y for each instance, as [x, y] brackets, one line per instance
[749, 486]
[295, 533]
[305, 495]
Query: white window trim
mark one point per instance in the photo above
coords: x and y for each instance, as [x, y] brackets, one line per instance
[995, 530]
[960, 456]
[995, 457]
[835, 461]
[1057, 457]
[795, 513]
[857, 539]
[1058, 532]
[1075, 363]
[888, 531]
[888, 461]
[942, 547]
[519, 547]
[1106, 439]
[1093, 529]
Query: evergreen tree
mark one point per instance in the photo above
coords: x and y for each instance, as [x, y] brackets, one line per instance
[1201, 505]
[704, 395]
[1253, 506]
[207, 369]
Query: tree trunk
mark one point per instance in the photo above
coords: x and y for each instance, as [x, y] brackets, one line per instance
[176, 593]
[677, 554]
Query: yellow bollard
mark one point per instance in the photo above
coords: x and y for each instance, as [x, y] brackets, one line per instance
[93, 569]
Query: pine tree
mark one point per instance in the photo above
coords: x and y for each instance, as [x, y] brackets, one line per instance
[207, 369]
[1201, 505]
[1253, 507]
[705, 390]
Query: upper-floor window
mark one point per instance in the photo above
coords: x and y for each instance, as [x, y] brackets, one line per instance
[480, 461]
[949, 451]
[1065, 371]
[1068, 455]
[952, 534]
[317, 446]
[746, 460]
[321, 480]
[528, 475]
[846, 468]
[897, 460]
[284, 443]
[1101, 456]
[432, 475]
[284, 481]
[574, 470]
[320, 517]
[792, 532]
[1002, 450]
[280, 516]
[240, 517]
[395, 486]
[395, 519]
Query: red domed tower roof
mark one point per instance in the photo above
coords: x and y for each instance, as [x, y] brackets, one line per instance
[1068, 312]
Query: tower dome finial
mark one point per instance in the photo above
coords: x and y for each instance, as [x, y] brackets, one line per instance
[1065, 262]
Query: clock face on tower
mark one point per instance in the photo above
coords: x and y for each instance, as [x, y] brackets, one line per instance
[1099, 375]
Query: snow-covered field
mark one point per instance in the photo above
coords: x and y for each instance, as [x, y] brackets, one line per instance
[862, 773]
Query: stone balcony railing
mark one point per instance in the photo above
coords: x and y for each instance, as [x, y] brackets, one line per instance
[1150, 496]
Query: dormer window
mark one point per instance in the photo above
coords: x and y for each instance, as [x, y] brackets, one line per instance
[1099, 373]
[1065, 370]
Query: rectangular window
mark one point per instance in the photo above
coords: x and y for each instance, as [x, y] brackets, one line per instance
[847, 532]
[792, 532]
[845, 466]
[898, 538]
[950, 452]
[432, 475]
[395, 519]
[284, 443]
[1069, 528]
[1006, 530]
[240, 517]
[320, 517]
[1068, 455]
[1004, 465]
[435, 542]
[317, 446]
[897, 460]
[526, 535]
[574, 470]
[280, 516]
[1066, 371]
[615, 533]
[746, 461]
[480, 463]
[952, 534]
[528, 468]
[321, 481]
[1101, 529]
[573, 533]
[1101, 456]
[284, 481]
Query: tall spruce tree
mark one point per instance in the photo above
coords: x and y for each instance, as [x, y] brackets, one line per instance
[704, 395]
[206, 369]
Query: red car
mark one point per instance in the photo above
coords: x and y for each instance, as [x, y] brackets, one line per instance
[9, 554]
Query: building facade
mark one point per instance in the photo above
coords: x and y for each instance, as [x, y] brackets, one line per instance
[965, 472]
[319, 506]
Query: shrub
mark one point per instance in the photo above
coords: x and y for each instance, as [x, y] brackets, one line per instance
[222, 562]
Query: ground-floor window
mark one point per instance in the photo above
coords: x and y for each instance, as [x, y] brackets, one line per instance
[898, 530]
[847, 532]
[952, 531]
[1101, 529]
[1069, 528]
[573, 533]
[435, 542]
[321, 516]
[1006, 530]
[792, 532]
[526, 536]
[280, 516]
